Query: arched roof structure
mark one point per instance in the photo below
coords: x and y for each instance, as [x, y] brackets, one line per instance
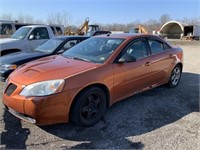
[172, 29]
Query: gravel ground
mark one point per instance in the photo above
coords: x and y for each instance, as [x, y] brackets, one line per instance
[161, 118]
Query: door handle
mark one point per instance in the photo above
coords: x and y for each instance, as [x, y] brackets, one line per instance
[147, 63]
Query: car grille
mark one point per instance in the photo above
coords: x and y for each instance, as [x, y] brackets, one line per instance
[10, 89]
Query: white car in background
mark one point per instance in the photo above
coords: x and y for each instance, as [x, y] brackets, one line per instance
[26, 39]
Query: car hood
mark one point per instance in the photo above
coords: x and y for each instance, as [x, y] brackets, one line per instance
[9, 43]
[50, 68]
[20, 57]
[8, 40]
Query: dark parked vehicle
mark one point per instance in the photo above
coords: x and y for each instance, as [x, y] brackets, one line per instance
[56, 45]
[97, 33]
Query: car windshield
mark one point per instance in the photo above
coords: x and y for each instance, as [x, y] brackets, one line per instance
[133, 30]
[50, 45]
[21, 33]
[96, 49]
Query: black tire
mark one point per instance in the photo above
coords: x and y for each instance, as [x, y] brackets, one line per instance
[175, 76]
[89, 106]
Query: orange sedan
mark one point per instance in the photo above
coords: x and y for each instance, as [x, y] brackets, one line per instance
[80, 84]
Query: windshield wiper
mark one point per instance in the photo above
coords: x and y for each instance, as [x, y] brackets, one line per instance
[66, 56]
[79, 58]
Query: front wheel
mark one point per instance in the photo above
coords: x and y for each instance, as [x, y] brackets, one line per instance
[175, 76]
[88, 107]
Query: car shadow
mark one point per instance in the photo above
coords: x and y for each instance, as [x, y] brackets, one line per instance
[134, 116]
[126, 119]
[14, 136]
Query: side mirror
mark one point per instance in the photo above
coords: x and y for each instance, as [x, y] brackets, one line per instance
[31, 37]
[121, 60]
[126, 58]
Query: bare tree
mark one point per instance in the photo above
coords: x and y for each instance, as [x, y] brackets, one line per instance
[59, 18]
[8, 17]
[38, 21]
[25, 19]
[65, 19]
[21, 18]
[190, 21]
[29, 19]
[152, 25]
[164, 18]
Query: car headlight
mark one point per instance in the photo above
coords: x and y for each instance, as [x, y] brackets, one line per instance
[43, 88]
[8, 67]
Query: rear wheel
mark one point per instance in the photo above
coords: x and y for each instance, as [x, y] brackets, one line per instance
[88, 107]
[175, 76]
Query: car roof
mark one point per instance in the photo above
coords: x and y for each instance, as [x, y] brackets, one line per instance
[70, 36]
[37, 26]
[126, 35]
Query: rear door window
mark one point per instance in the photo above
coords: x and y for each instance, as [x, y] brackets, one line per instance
[156, 46]
[59, 31]
[54, 31]
[166, 46]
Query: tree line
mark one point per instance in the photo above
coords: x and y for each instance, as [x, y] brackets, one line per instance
[65, 19]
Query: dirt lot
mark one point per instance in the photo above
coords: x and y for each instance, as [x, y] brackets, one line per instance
[162, 118]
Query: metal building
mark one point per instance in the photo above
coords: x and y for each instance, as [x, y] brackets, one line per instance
[173, 29]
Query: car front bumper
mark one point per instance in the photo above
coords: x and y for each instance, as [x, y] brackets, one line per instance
[21, 116]
[44, 110]
[4, 74]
